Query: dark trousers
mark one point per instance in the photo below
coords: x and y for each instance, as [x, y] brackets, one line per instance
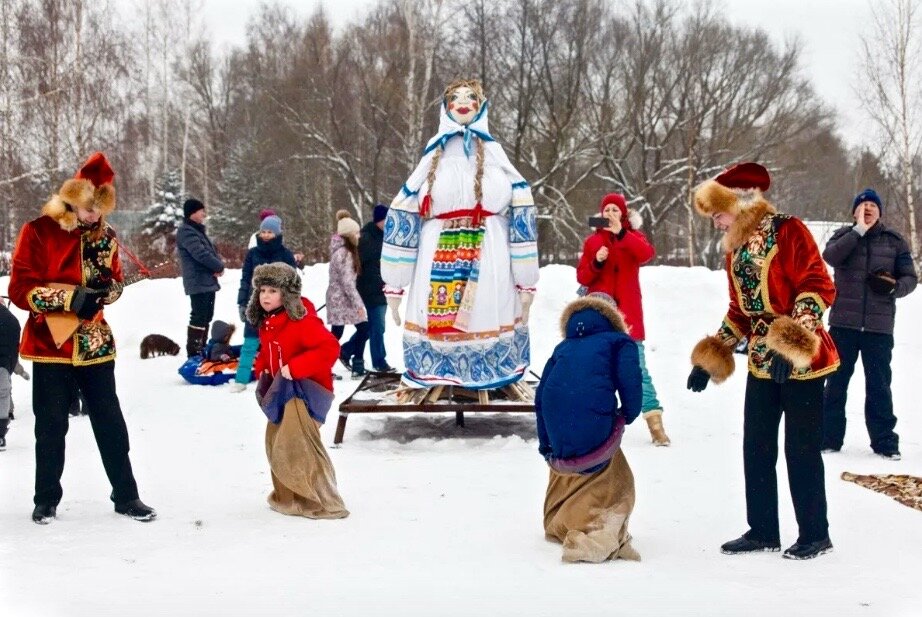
[376, 316]
[53, 388]
[876, 351]
[354, 348]
[202, 309]
[802, 405]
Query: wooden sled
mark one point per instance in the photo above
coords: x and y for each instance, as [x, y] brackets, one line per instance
[384, 393]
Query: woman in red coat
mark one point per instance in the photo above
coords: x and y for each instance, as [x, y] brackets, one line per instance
[295, 367]
[610, 264]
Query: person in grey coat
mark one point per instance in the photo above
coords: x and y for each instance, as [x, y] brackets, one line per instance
[201, 266]
[872, 268]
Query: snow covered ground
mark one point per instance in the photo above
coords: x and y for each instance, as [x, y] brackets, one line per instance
[445, 521]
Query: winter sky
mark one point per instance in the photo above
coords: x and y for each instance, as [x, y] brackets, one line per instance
[828, 29]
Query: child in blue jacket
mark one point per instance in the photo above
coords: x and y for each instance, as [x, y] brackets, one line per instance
[590, 389]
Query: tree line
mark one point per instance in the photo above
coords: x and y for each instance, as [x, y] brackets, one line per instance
[587, 97]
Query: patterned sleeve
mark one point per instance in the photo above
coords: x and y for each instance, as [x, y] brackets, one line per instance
[115, 290]
[523, 237]
[401, 233]
[27, 288]
[736, 325]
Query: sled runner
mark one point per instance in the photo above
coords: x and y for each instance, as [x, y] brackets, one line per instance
[384, 393]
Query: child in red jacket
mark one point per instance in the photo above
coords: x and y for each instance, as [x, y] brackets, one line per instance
[295, 367]
[610, 264]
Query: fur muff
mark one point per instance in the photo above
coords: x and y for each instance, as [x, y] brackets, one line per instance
[607, 309]
[716, 358]
[158, 345]
[284, 278]
[793, 341]
[746, 223]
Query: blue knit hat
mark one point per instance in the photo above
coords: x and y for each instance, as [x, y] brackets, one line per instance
[868, 195]
[379, 213]
[273, 224]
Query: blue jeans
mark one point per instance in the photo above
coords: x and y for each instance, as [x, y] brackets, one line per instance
[376, 316]
[650, 402]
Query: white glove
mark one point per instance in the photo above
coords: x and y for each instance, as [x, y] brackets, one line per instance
[860, 226]
[526, 297]
[393, 302]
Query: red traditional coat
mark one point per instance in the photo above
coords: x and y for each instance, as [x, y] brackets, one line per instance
[305, 345]
[47, 253]
[775, 270]
[619, 275]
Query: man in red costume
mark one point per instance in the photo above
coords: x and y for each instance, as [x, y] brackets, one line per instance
[610, 264]
[779, 290]
[64, 267]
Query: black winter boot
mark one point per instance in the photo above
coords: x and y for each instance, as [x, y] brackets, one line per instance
[743, 545]
[358, 367]
[195, 340]
[44, 514]
[810, 550]
[4, 425]
[137, 510]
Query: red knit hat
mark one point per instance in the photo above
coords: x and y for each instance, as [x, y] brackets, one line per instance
[614, 198]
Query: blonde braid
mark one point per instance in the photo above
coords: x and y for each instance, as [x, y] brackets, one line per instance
[478, 176]
[430, 177]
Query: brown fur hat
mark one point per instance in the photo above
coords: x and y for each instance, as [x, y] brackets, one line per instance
[284, 278]
[716, 358]
[90, 188]
[603, 303]
[793, 341]
[732, 190]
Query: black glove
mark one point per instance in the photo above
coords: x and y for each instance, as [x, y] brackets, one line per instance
[780, 368]
[882, 283]
[242, 311]
[698, 379]
[86, 301]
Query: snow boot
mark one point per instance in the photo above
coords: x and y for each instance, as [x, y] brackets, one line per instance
[892, 455]
[137, 510]
[385, 368]
[809, 550]
[4, 425]
[44, 514]
[345, 358]
[358, 368]
[195, 340]
[743, 545]
[655, 424]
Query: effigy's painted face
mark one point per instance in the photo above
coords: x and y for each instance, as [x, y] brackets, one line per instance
[463, 105]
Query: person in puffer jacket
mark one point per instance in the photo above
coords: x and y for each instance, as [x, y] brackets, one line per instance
[589, 390]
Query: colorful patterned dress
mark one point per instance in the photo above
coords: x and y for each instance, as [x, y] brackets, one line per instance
[464, 262]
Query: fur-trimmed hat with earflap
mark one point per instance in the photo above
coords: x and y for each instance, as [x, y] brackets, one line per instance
[90, 189]
[284, 278]
[345, 224]
[630, 219]
[732, 190]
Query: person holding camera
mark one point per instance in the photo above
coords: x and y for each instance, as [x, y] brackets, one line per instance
[872, 268]
[610, 264]
[64, 267]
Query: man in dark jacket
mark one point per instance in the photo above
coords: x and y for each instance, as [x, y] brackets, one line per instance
[201, 266]
[9, 357]
[873, 267]
[371, 287]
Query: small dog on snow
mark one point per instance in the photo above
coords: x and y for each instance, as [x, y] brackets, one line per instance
[158, 345]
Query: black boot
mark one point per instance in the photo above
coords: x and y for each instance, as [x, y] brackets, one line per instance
[195, 340]
[4, 424]
[44, 514]
[810, 550]
[358, 367]
[743, 545]
[137, 510]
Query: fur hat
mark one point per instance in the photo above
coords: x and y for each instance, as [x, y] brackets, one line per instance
[345, 224]
[631, 219]
[867, 195]
[597, 301]
[90, 188]
[733, 189]
[284, 278]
